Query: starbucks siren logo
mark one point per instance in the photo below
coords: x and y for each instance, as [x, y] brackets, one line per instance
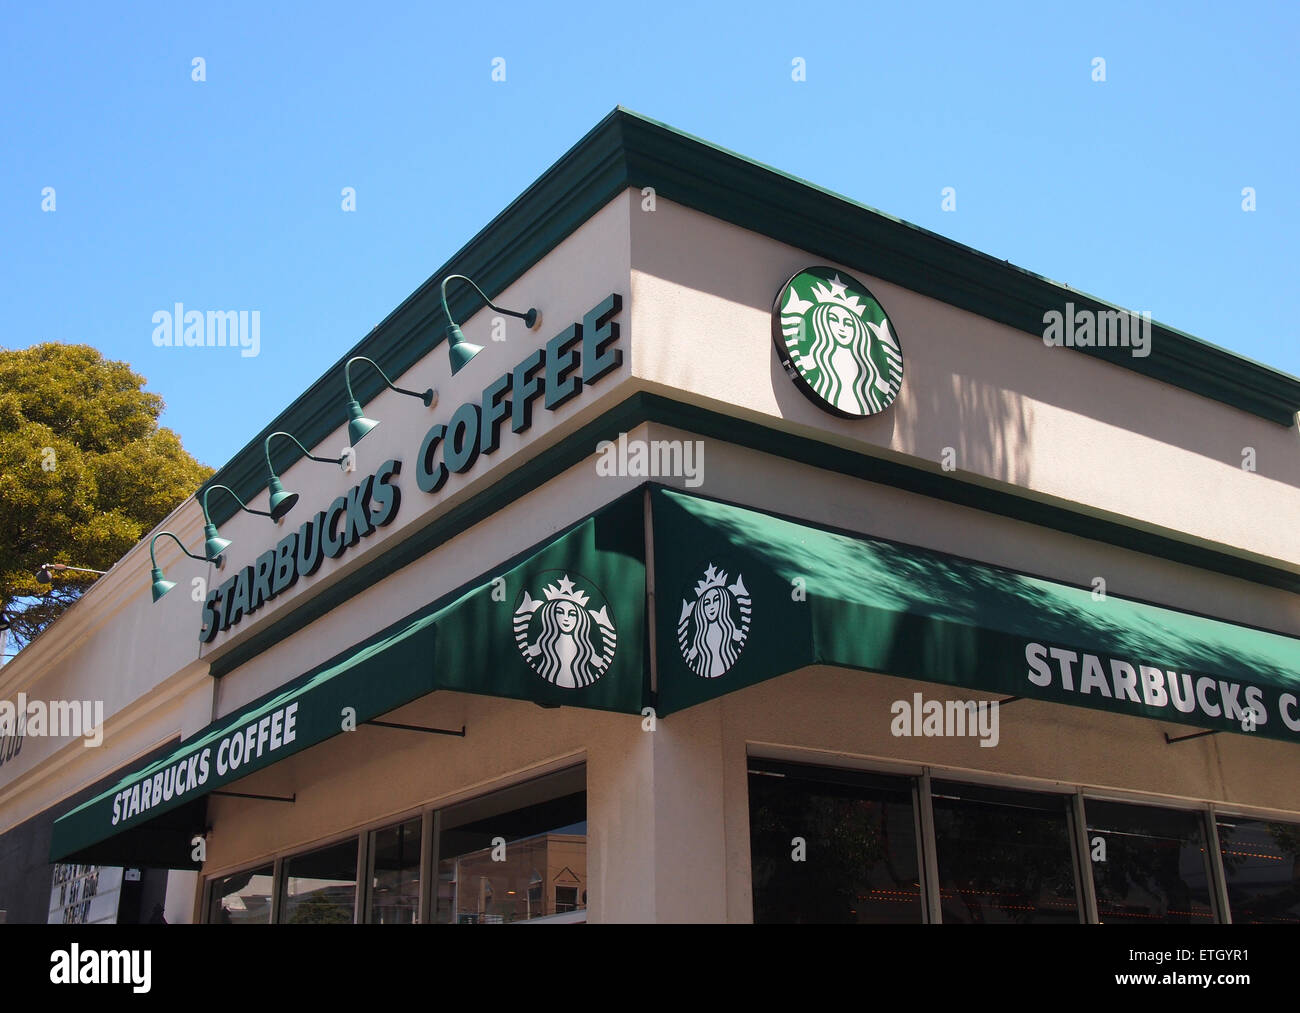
[835, 341]
[561, 636]
[712, 629]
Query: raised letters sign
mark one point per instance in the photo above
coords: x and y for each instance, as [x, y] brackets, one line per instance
[579, 355]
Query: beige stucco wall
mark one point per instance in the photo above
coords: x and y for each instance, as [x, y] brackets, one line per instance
[118, 648]
[1049, 422]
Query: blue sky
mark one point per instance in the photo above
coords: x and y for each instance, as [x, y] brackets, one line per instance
[226, 193]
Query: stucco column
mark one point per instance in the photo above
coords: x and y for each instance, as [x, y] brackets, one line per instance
[656, 821]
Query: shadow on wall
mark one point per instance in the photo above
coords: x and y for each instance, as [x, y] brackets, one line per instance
[985, 428]
[958, 365]
[951, 396]
[954, 423]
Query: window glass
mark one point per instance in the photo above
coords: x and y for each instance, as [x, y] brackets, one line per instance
[395, 874]
[1004, 856]
[517, 855]
[321, 886]
[832, 846]
[242, 899]
[1148, 864]
[1261, 863]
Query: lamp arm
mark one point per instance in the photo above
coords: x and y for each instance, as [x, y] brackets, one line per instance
[266, 446]
[347, 379]
[207, 518]
[153, 559]
[491, 304]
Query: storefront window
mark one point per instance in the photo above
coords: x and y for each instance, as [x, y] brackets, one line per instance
[1004, 856]
[242, 899]
[321, 886]
[1148, 864]
[516, 855]
[832, 846]
[395, 874]
[1261, 863]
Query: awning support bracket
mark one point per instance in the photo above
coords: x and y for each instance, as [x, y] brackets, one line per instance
[261, 798]
[418, 728]
[1194, 735]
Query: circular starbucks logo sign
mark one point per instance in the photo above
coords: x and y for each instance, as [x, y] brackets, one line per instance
[565, 633]
[835, 341]
[714, 623]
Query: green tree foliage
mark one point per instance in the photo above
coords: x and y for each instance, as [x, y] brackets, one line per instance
[85, 472]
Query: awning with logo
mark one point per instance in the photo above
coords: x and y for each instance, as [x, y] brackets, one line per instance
[794, 595]
[741, 596]
[496, 637]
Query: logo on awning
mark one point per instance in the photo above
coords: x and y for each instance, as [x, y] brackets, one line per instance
[565, 634]
[714, 626]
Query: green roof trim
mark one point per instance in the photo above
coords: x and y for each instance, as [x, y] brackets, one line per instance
[629, 150]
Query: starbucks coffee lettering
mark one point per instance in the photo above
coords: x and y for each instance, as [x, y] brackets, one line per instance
[370, 504]
[580, 355]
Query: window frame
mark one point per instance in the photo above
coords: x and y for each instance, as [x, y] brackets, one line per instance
[430, 816]
[1076, 796]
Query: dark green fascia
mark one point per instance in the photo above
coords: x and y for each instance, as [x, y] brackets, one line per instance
[705, 422]
[628, 150]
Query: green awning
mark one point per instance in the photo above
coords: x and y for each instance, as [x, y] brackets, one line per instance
[793, 595]
[741, 597]
[563, 624]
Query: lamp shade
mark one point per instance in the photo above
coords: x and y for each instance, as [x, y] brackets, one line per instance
[213, 544]
[281, 502]
[460, 350]
[358, 424]
[160, 586]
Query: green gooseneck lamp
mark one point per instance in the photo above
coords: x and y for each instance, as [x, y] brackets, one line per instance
[282, 502]
[461, 351]
[213, 544]
[161, 586]
[358, 424]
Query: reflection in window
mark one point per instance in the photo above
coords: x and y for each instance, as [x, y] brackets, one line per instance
[242, 899]
[858, 862]
[1153, 866]
[1004, 856]
[321, 886]
[1261, 863]
[517, 855]
[395, 874]
[566, 899]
